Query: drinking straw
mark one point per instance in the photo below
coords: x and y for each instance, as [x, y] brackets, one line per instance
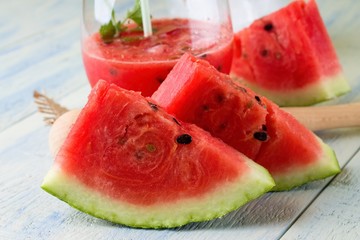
[145, 14]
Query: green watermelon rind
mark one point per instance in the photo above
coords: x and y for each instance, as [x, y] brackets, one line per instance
[324, 167]
[225, 198]
[325, 89]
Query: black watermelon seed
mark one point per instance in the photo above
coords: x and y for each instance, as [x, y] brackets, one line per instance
[258, 99]
[153, 106]
[186, 48]
[205, 108]
[223, 126]
[203, 55]
[261, 136]
[113, 72]
[241, 89]
[238, 87]
[184, 139]
[122, 140]
[220, 98]
[160, 79]
[139, 117]
[268, 27]
[264, 53]
[264, 128]
[176, 121]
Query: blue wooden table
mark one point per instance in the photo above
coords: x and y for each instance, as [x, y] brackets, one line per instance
[40, 50]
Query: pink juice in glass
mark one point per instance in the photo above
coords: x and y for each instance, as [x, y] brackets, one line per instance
[141, 64]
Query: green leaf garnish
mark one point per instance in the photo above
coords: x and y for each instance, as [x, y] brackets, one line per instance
[107, 32]
[113, 28]
[135, 14]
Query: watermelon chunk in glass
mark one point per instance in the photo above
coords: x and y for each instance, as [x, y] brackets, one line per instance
[288, 57]
[196, 92]
[128, 161]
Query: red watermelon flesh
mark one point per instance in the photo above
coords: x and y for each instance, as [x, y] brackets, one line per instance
[288, 56]
[248, 122]
[128, 161]
[214, 113]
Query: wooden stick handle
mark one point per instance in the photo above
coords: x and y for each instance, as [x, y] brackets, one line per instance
[327, 117]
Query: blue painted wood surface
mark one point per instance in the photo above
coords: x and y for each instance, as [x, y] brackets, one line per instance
[40, 49]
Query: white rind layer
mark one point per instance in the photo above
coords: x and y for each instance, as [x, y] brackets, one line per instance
[322, 90]
[227, 196]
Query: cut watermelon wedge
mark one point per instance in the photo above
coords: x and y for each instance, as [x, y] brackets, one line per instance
[128, 161]
[196, 92]
[288, 57]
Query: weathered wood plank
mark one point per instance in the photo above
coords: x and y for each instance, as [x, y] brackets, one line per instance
[23, 19]
[335, 214]
[39, 49]
[51, 61]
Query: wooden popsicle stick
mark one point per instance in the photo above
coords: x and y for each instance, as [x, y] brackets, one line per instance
[327, 117]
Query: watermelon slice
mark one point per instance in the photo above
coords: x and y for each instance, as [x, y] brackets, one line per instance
[128, 161]
[196, 92]
[288, 57]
